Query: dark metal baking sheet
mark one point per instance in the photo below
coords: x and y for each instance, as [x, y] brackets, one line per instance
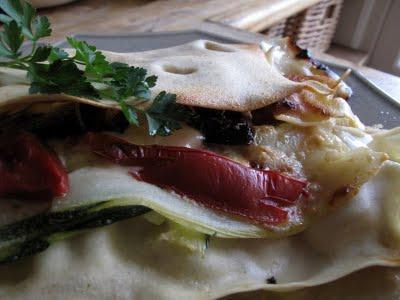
[371, 104]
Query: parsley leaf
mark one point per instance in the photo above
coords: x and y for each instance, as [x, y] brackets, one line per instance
[57, 53]
[61, 76]
[5, 19]
[40, 54]
[130, 81]
[24, 15]
[41, 28]
[151, 81]
[129, 113]
[21, 12]
[11, 40]
[86, 74]
[94, 61]
[164, 114]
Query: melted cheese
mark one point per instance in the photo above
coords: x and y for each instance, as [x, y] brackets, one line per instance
[185, 137]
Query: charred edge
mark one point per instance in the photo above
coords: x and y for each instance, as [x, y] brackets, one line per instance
[266, 115]
[289, 103]
[271, 280]
[303, 54]
[320, 66]
[306, 54]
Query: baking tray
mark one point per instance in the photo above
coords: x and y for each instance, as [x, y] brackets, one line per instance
[369, 102]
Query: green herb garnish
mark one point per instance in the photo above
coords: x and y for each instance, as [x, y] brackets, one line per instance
[87, 73]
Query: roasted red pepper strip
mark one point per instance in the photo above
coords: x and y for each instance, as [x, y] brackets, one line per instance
[265, 197]
[30, 170]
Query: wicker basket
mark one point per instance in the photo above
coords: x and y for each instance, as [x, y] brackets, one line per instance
[313, 28]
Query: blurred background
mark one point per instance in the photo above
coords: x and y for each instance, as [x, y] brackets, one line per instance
[364, 32]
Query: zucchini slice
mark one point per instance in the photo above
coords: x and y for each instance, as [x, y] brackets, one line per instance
[36, 233]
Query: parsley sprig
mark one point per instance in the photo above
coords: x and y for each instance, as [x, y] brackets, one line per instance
[87, 73]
